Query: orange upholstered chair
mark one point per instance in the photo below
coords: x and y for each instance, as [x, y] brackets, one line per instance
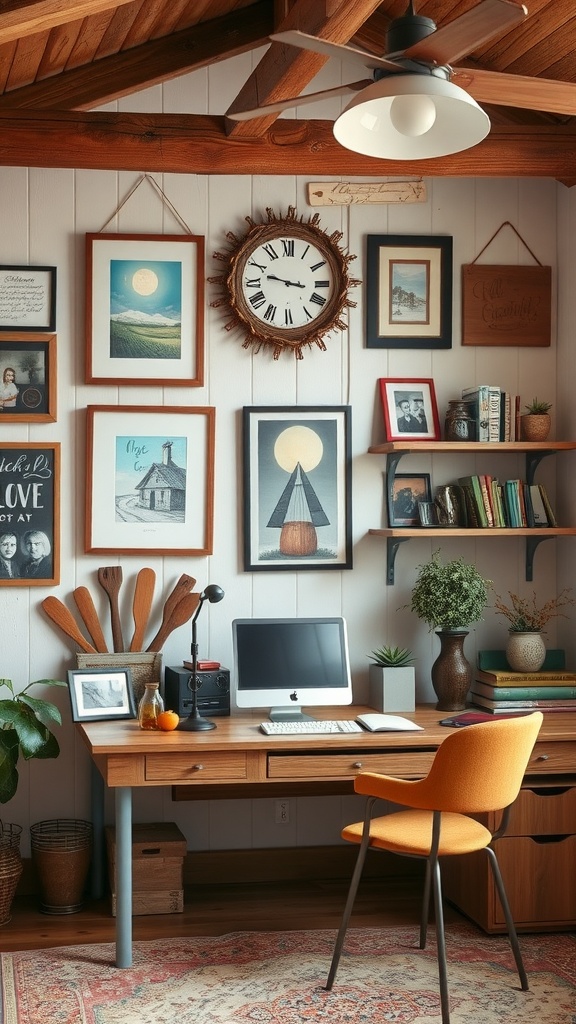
[476, 769]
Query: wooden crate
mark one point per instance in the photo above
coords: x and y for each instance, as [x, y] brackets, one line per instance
[158, 852]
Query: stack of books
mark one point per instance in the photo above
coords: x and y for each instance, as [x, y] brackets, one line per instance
[494, 411]
[501, 691]
[513, 503]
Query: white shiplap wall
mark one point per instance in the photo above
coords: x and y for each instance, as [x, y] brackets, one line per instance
[45, 215]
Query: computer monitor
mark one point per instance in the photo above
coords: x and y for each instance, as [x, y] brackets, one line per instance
[281, 664]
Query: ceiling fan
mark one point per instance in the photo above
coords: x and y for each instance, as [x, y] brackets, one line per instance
[418, 105]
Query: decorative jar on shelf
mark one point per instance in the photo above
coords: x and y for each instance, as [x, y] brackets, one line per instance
[459, 424]
[525, 652]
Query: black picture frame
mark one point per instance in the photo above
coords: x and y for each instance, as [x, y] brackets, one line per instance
[409, 291]
[101, 694]
[302, 452]
[27, 298]
[403, 492]
[31, 479]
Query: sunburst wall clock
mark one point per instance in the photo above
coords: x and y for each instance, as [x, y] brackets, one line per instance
[285, 284]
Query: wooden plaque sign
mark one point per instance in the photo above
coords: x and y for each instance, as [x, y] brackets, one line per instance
[506, 305]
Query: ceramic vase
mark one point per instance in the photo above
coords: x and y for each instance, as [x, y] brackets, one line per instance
[525, 652]
[451, 672]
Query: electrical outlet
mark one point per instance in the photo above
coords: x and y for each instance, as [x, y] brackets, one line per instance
[282, 812]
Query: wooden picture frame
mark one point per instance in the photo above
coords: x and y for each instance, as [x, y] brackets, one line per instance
[30, 526]
[145, 310]
[149, 479]
[402, 496]
[27, 378]
[409, 291]
[27, 298]
[297, 488]
[410, 409]
[101, 694]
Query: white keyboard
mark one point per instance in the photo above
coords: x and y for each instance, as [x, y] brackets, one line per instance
[299, 728]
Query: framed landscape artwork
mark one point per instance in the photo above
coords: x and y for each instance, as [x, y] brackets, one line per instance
[145, 309]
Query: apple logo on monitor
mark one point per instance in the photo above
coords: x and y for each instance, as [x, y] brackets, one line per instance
[294, 696]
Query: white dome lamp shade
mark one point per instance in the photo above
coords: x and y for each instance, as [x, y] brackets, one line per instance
[411, 117]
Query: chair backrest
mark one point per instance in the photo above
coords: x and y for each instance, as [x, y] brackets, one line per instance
[480, 767]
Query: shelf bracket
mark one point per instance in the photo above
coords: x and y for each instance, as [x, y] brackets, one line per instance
[392, 545]
[533, 460]
[531, 545]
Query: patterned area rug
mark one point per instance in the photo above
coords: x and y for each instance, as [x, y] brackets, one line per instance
[278, 978]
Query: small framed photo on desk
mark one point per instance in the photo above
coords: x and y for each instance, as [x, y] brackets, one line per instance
[97, 694]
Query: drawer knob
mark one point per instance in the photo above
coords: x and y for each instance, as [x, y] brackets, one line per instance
[542, 757]
[198, 767]
[357, 764]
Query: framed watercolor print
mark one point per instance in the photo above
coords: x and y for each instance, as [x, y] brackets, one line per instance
[30, 514]
[410, 409]
[409, 291]
[297, 487]
[27, 378]
[27, 298]
[145, 309]
[149, 479]
[403, 494]
[98, 694]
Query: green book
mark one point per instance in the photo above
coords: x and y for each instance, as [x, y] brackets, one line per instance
[495, 661]
[523, 692]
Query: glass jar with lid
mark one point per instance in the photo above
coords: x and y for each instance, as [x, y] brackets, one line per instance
[150, 706]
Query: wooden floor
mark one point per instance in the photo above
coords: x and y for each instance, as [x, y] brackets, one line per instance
[218, 909]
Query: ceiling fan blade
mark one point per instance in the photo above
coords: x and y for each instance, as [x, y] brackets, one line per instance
[297, 101]
[328, 49]
[451, 42]
[518, 90]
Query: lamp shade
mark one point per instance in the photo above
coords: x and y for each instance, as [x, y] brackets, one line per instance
[411, 117]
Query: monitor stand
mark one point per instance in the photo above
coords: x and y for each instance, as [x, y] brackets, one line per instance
[289, 714]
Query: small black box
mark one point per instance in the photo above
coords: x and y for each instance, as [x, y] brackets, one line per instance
[213, 692]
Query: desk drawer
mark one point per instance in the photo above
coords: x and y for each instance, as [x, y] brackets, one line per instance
[203, 766]
[552, 757]
[406, 765]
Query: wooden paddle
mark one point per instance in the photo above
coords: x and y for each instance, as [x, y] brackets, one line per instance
[180, 589]
[59, 614]
[182, 612]
[141, 605]
[85, 606]
[110, 579]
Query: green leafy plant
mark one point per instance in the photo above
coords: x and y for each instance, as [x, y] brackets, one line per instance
[392, 657]
[538, 408]
[449, 595]
[24, 730]
[525, 616]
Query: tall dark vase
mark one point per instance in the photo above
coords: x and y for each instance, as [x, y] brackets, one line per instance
[451, 672]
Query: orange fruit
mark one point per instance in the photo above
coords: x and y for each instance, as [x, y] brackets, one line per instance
[168, 720]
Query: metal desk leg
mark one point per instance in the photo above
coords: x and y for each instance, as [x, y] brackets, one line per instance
[123, 798]
[98, 849]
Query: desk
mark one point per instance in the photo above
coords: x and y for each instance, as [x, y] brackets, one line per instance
[238, 752]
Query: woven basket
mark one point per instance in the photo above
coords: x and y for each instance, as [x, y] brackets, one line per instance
[61, 851]
[10, 867]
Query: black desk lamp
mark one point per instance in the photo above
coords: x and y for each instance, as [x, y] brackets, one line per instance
[195, 722]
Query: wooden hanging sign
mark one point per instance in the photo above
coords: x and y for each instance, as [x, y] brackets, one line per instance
[506, 305]
[364, 193]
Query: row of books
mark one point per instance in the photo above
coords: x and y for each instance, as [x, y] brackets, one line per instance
[506, 692]
[513, 503]
[496, 412]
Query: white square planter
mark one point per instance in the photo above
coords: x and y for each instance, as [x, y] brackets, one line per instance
[392, 689]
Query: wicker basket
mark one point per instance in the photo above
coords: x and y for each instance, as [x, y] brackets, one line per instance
[61, 851]
[10, 867]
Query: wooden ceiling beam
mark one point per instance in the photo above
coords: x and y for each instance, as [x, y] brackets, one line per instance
[20, 18]
[197, 144]
[142, 66]
[285, 70]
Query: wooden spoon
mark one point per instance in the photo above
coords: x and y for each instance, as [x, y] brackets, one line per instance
[85, 606]
[182, 612]
[141, 605]
[180, 589]
[110, 579]
[59, 614]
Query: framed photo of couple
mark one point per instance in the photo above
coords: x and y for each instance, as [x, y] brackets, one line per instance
[410, 409]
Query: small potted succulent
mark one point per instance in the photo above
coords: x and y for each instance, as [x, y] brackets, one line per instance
[535, 423]
[392, 679]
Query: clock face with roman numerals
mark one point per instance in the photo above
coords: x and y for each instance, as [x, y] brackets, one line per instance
[286, 283]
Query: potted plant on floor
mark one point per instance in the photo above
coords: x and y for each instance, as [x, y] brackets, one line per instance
[535, 423]
[392, 679]
[450, 596]
[526, 650]
[24, 730]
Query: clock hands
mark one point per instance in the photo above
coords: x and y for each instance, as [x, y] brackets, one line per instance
[295, 284]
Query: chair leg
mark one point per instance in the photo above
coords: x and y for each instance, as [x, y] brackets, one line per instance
[357, 874]
[425, 912]
[441, 942]
[512, 935]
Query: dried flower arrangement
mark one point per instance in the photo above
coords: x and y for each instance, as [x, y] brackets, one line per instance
[525, 616]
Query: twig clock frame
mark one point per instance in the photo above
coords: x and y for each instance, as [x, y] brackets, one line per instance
[286, 283]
